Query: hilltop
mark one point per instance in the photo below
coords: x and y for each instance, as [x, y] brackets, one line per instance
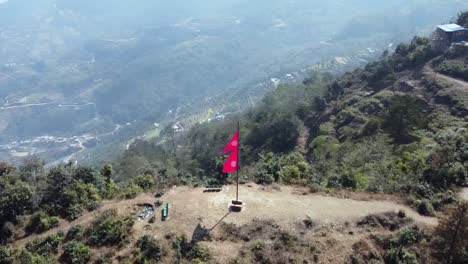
[196, 214]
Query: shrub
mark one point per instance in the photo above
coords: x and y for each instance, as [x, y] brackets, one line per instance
[5, 255]
[410, 236]
[200, 253]
[110, 229]
[80, 196]
[104, 260]
[41, 222]
[268, 169]
[25, 256]
[308, 222]
[145, 182]
[149, 249]
[158, 203]
[442, 200]
[131, 191]
[74, 233]
[425, 208]
[456, 69]
[7, 232]
[76, 252]
[181, 246]
[400, 255]
[47, 246]
[259, 245]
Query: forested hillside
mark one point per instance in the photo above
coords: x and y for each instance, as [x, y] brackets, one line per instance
[394, 126]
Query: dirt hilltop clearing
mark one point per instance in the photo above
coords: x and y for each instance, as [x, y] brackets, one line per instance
[286, 206]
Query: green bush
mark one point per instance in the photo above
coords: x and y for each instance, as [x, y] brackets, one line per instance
[41, 222]
[400, 255]
[6, 255]
[24, 256]
[457, 69]
[259, 245]
[200, 253]
[104, 260]
[131, 191]
[111, 229]
[47, 246]
[425, 208]
[268, 169]
[7, 232]
[80, 196]
[76, 252]
[410, 236]
[149, 249]
[74, 233]
[145, 182]
[181, 246]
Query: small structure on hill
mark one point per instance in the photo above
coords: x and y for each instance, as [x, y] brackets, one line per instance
[447, 35]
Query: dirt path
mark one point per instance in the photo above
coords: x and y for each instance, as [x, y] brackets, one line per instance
[428, 70]
[191, 207]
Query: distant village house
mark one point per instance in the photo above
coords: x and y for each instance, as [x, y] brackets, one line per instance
[447, 35]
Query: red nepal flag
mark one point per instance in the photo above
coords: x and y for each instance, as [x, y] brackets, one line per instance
[232, 163]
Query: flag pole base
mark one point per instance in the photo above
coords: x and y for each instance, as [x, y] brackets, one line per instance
[236, 206]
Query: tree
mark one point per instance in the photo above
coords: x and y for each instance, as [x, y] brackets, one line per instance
[107, 172]
[451, 242]
[32, 168]
[7, 232]
[405, 113]
[463, 19]
[145, 182]
[150, 249]
[76, 252]
[268, 169]
[111, 229]
[6, 168]
[448, 165]
[86, 175]
[78, 197]
[57, 180]
[15, 199]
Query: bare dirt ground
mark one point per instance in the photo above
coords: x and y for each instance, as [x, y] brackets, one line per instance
[287, 206]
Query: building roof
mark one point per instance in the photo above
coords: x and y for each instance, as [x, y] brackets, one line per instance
[451, 27]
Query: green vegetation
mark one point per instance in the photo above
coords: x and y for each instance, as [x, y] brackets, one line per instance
[454, 63]
[110, 229]
[76, 253]
[150, 250]
[366, 131]
[47, 246]
[41, 222]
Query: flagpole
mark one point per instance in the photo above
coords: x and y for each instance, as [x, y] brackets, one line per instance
[238, 164]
